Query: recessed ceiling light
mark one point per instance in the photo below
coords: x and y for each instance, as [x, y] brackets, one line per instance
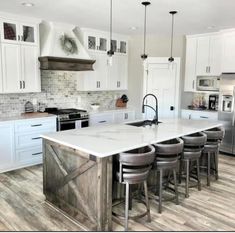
[27, 4]
[133, 28]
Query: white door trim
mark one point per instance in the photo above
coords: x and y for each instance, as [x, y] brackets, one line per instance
[153, 60]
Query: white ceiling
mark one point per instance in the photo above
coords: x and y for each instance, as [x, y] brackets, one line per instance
[194, 15]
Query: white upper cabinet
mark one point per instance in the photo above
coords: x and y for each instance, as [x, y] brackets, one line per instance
[228, 55]
[19, 56]
[190, 65]
[104, 76]
[15, 32]
[11, 68]
[209, 51]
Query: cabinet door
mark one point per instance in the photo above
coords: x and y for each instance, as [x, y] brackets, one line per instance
[118, 73]
[28, 33]
[203, 49]
[101, 72]
[11, 68]
[228, 56]
[10, 31]
[30, 68]
[215, 55]
[190, 65]
[6, 146]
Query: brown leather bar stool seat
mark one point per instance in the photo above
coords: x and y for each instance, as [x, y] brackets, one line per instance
[211, 151]
[134, 167]
[167, 157]
[193, 146]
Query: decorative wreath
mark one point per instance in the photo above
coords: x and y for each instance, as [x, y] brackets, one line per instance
[68, 44]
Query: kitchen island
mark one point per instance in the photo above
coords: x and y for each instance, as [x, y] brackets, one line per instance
[77, 166]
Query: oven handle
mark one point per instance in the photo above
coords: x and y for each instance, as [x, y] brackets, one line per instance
[66, 122]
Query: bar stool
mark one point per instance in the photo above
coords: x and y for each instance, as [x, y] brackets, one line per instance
[211, 149]
[134, 167]
[167, 157]
[193, 146]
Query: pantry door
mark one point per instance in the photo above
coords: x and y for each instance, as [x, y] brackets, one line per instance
[162, 78]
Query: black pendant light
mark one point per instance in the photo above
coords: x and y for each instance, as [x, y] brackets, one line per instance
[111, 52]
[145, 4]
[171, 59]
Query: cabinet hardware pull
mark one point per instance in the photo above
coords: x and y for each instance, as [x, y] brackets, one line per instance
[204, 117]
[23, 84]
[22, 38]
[37, 153]
[20, 84]
[209, 69]
[102, 121]
[18, 37]
[36, 138]
[36, 125]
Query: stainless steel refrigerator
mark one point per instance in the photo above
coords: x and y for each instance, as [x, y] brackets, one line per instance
[226, 110]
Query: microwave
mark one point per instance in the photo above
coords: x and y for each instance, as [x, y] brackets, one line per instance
[208, 83]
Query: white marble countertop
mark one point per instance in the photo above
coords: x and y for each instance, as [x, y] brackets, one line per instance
[25, 117]
[103, 141]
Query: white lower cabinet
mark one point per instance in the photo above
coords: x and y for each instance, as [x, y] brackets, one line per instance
[199, 115]
[112, 117]
[21, 142]
[101, 119]
[7, 150]
[124, 116]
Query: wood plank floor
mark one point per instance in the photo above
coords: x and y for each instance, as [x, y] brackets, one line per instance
[22, 206]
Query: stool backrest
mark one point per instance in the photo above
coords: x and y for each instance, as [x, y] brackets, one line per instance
[195, 140]
[170, 148]
[215, 134]
[138, 157]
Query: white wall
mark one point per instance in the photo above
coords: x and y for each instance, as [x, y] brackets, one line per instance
[157, 46]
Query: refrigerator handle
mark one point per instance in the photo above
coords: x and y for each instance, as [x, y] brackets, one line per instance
[233, 103]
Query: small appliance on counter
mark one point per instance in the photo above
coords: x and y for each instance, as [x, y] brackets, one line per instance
[122, 102]
[213, 102]
[209, 83]
[70, 118]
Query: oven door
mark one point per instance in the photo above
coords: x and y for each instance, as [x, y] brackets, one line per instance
[66, 125]
[82, 123]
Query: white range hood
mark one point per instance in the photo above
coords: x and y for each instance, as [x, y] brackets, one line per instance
[54, 57]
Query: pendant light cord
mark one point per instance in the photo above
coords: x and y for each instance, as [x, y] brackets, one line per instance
[111, 23]
[145, 23]
[172, 34]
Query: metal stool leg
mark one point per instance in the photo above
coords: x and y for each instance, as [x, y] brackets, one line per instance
[130, 198]
[216, 166]
[187, 179]
[160, 192]
[208, 168]
[180, 171]
[176, 188]
[198, 175]
[127, 207]
[147, 201]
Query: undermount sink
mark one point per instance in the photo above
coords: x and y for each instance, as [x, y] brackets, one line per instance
[143, 123]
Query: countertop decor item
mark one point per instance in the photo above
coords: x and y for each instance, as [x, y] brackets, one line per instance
[28, 107]
[171, 58]
[95, 106]
[144, 56]
[68, 44]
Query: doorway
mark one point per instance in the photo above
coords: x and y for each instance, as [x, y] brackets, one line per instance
[162, 78]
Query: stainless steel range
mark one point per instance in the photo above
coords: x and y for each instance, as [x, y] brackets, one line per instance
[70, 118]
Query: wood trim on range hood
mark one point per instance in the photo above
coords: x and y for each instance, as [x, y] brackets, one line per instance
[66, 64]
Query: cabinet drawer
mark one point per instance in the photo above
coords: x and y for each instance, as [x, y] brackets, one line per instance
[101, 119]
[35, 125]
[28, 140]
[199, 115]
[32, 155]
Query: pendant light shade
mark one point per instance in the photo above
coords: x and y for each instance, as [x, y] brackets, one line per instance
[145, 4]
[171, 59]
[110, 53]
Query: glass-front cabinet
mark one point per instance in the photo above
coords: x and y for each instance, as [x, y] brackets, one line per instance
[14, 32]
[97, 43]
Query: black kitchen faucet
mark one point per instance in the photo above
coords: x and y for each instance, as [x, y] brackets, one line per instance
[155, 119]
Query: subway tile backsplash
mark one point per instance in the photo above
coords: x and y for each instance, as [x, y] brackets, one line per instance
[58, 90]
